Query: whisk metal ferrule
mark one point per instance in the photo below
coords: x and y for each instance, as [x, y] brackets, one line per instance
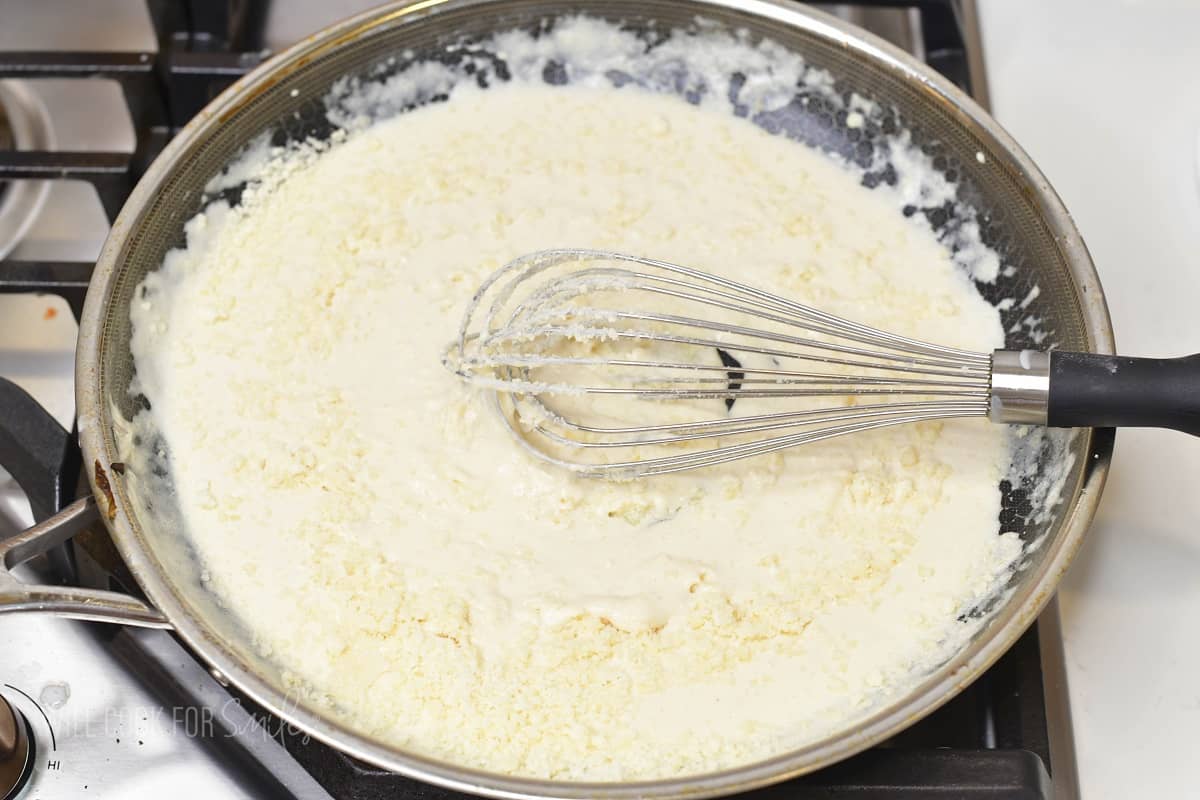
[1020, 387]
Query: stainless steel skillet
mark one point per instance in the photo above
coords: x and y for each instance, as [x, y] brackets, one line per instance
[1020, 215]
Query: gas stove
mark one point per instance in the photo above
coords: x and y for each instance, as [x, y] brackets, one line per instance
[95, 710]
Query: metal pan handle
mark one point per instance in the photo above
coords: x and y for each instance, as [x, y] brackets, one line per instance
[94, 605]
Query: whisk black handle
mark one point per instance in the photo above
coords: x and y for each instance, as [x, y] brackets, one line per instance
[1098, 391]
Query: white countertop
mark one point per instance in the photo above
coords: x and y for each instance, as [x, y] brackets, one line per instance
[1105, 95]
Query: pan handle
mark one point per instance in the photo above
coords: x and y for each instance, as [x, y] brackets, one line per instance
[94, 605]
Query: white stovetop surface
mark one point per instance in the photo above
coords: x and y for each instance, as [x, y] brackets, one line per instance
[1106, 98]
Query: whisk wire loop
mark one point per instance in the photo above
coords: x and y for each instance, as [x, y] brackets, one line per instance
[566, 339]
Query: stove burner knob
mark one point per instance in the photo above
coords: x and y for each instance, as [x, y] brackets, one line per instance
[16, 750]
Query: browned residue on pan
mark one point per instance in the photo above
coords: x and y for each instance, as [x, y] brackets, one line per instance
[105, 488]
[250, 96]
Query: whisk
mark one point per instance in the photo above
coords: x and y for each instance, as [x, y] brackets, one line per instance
[567, 340]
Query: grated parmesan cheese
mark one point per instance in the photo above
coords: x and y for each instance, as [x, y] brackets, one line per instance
[414, 571]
